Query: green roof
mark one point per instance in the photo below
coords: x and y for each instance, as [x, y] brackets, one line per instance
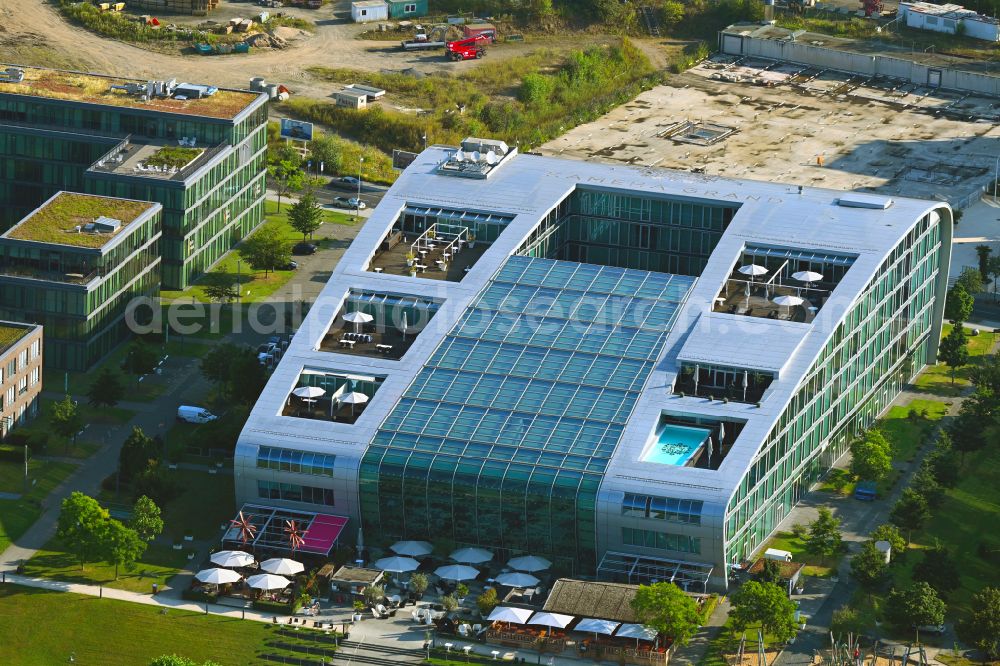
[56, 220]
[9, 334]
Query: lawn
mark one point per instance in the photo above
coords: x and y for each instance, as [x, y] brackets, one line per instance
[158, 565]
[16, 516]
[254, 285]
[77, 384]
[722, 649]
[797, 547]
[907, 433]
[204, 503]
[937, 378]
[43, 627]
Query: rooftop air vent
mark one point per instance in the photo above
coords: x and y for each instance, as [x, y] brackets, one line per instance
[12, 75]
[106, 225]
[870, 201]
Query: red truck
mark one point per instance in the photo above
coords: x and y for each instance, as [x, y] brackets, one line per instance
[467, 49]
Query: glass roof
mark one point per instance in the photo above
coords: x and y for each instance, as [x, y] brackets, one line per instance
[543, 368]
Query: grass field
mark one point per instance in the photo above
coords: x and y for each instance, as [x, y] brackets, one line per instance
[158, 565]
[16, 516]
[254, 285]
[797, 547]
[204, 503]
[907, 434]
[937, 379]
[43, 628]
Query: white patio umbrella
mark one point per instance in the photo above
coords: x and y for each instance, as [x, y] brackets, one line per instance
[308, 392]
[456, 572]
[397, 564]
[636, 631]
[232, 558]
[807, 276]
[556, 620]
[752, 270]
[282, 566]
[412, 548]
[218, 576]
[472, 555]
[517, 579]
[595, 626]
[353, 398]
[789, 301]
[529, 563]
[357, 318]
[512, 615]
[266, 581]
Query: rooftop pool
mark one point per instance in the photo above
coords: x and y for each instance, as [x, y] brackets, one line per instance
[675, 445]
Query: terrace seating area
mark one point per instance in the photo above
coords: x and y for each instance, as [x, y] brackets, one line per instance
[388, 343]
[436, 254]
[330, 396]
[755, 299]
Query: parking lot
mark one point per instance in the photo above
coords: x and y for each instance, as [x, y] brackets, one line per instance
[763, 120]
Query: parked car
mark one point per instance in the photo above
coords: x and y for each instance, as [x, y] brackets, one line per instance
[348, 180]
[266, 348]
[931, 628]
[303, 248]
[342, 202]
[192, 414]
[356, 203]
[290, 266]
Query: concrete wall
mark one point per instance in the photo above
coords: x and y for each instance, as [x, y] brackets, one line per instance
[858, 63]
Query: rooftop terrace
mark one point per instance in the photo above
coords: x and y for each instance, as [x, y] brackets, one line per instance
[11, 333]
[56, 220]
[97, 89]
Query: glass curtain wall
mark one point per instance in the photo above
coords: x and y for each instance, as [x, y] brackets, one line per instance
[881, 344]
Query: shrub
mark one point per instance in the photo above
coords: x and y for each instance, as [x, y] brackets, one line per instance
[276, 607]
[199, 595]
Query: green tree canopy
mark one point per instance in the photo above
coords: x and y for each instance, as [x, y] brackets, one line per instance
[147, 520]
[943, 461]
[122, 546]
[306, 215]
[915, 606]
[958, 306]
[868, 567]
[329, 151]
[938, 569]
[671, 12]
[847, 620]
[890, 533]
[765, 604]
[666, 608]
[871, 457]
[142, 357]
[982, 628]
[220, 287]
[824, 539]
[910, 512]
[286, 176]
[265, 249]
[954, 350]
[925, 483]
[983, 253]
[65, 419]
[135, 454]
[972, 280]
[107, 389]
[83, 527]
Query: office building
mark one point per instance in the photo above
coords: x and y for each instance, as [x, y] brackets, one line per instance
[633, 372]
[197, 150]
[20, 373]
[74, 264]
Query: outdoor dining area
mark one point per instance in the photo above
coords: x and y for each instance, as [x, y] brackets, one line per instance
[237, 574]
[442, 251]
[378, 324]
[784, 284]
[331, 396]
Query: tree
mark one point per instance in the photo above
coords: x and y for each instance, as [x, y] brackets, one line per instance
[419, 583]
[971, 279]
[958, 305]
[871, 457]
[938, 569]
[824, 538]
[220, 287]
[246, 377]
[82, 527]
[286, 177]
[154, 482]
[215, 364]
[770, 572]
[450, 603]
[943, 461]
[975, 422]
[910, 512]
[891, 534]
[953, 350]
[983, 253]
[487, 601]
[135, 454]
[925, 484]
[265, 249]
[666, 608]
[122, 546]
[671, 13]
[327, 150]
[982, 628]
[306, 215]
[846, 620]
[142, 357]
[107, 389]
[146, 519]
[916, 606]
[868, 567]
[65, 419]
[766, 604]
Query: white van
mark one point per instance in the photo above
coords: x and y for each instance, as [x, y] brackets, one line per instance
[194, 414]
[775, 554]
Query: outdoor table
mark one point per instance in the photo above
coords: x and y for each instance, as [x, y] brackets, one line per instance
[344, 342]
[495, 653]
[378, 269]
[423, 253]
[422, 267]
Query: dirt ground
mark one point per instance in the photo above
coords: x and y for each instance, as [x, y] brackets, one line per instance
[32, 32]
[804, 127]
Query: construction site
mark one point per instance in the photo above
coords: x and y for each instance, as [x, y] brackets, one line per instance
[746, 117]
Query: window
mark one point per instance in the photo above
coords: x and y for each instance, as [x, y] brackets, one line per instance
[409, 9]
[10, 398]
[661, 540]
[669, 509]
[12, 368]
[22, 385]
[291, 492]
[22, 359]
[34, 376]
[299, 462]
[36, 349]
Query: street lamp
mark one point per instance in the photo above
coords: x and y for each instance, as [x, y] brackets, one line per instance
[425, 140]
[361, 161]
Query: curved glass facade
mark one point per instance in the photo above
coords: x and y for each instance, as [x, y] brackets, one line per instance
[484, 447]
